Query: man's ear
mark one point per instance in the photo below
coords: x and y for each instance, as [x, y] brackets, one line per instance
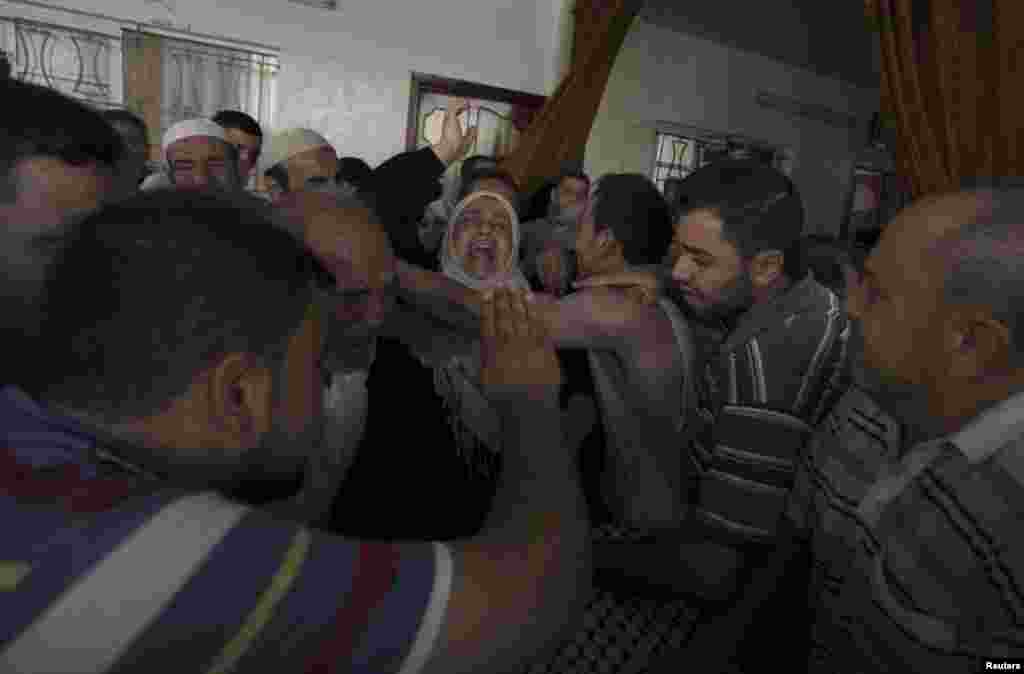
[767, 267]
[979, 344]
[240, 400]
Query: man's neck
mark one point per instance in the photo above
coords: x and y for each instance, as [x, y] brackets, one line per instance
[771, 292]
[123, 446]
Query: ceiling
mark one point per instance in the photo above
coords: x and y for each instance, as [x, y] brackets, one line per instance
[828, 37]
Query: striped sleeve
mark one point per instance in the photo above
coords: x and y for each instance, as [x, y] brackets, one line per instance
[210, 586]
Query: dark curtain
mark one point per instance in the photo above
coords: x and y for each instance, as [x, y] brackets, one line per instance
[951, 87]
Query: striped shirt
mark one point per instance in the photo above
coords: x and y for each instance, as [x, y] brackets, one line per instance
[771, 380]
[104, 570]
[918, 557]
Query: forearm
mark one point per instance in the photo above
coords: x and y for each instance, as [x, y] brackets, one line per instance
[539, 500]
[441, 297]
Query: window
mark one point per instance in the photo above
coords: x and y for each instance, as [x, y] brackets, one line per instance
[160, 74]
[168, 79]
[79, 63]
[677, 156]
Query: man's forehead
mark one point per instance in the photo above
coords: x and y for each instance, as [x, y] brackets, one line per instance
[242, 137]
[574, 183]
[197, 147]
[903, 251]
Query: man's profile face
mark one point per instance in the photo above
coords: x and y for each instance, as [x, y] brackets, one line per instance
[274, 467]
[131, 169]
[248, 147]
[50, 194]
[897, 344]
[569, 199]
[201, 162]
[312, 168]
[708, 271]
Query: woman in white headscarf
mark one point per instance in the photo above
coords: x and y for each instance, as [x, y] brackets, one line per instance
[480, 250]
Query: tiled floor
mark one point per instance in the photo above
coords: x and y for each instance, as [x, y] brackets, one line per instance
[621, 635]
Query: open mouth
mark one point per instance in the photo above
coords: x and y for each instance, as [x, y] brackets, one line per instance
[484, 247]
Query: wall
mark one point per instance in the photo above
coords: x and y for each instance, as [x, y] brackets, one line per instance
[347, 73]
[666, 76]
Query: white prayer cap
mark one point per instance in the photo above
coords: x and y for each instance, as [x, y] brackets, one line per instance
[190, 128]
[283, 145]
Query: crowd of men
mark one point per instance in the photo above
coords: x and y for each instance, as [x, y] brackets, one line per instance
[338, 426]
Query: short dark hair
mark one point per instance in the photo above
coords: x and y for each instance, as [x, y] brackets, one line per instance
[279, 174]
[639, 217]
[36, 121]
[827, 257]
[119, 115]
[175, 280]
[354, 171]
[236, 119]
[471, 166]
[575, 175]
[759, 206]
[491, 174]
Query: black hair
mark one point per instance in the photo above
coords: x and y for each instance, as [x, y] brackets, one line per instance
[119, 115]
[236, 119]
[279, 174]
[472, 166]
[576, 174]
[759, 206]
[827, 257]
[491, 174]
[175, 280]
[355, 172]
[639, 217]
[36, 121]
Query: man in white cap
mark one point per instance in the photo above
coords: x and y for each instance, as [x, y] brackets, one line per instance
[197, 155]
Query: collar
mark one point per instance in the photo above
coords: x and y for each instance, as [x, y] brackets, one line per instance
[803, 296]
[82, 443]
[991, 430]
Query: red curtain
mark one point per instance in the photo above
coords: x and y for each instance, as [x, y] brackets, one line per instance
[951, 87]
[559, 132]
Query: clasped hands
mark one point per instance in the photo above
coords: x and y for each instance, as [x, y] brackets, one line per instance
[518, 358]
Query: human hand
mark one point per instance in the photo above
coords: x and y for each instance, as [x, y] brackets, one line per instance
[553, 271]
[518, 361]
[455, 143]
[642, 285]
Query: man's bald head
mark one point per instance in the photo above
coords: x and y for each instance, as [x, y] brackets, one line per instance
[983, 258]
[939, 333]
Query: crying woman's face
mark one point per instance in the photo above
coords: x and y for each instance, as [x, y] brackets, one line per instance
[481, 239]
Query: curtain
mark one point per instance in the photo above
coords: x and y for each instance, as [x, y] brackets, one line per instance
[168, 80]
[951, 87]
[559, 132]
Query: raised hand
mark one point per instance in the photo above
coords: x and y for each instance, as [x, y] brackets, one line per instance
[518, 361]
[455, 143]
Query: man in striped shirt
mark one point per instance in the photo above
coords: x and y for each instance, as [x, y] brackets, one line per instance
[775, 355]
[911, 494]
[181, 336]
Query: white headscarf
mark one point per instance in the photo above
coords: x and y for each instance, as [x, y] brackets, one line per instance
[190, 128]
[451, 266]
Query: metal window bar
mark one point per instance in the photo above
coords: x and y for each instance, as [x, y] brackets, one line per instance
[79, 63]
[198, 79]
